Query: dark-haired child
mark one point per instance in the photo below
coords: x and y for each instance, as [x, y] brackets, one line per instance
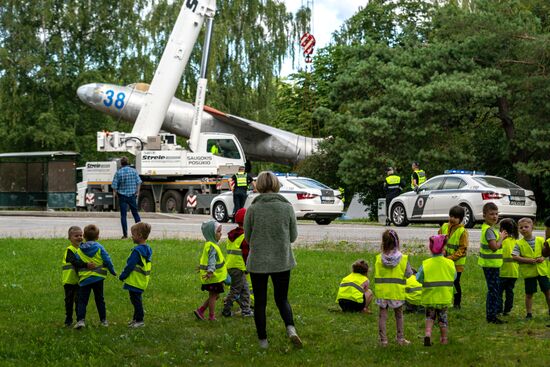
[354, 294]
[509, 271]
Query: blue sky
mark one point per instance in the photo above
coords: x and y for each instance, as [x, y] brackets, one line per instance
[328, 16]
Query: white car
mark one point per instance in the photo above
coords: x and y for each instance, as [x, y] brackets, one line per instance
[309, 198]
[433, 199]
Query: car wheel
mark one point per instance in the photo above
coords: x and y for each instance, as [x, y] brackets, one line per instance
[171, 202]
[219, 212]
[399, 216]
[469, 220]
[323, 221]
[146, 202]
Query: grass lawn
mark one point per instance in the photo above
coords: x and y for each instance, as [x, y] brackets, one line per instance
[32, 313]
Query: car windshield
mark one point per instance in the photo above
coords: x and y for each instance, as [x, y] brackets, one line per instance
[496, 182]
[307, 183]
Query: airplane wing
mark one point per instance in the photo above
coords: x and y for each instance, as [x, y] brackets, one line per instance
[240, 122]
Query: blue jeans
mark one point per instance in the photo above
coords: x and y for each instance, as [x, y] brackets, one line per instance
[83, 297]
[494, 296]
[124, 202]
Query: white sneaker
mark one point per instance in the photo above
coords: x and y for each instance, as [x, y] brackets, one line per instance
[294, 338]
[137, 324]
[264, 344]
[131, 322]
[105, 323]
[80, 324]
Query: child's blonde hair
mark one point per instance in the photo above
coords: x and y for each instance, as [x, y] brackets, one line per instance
[142, 229]
[73, 229]
[526, 219]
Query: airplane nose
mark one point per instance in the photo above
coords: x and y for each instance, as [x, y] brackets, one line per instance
[90, 94]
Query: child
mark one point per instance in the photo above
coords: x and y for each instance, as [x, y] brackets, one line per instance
[490, 259]
[532, 266]
[92, 279]
[391, 270]
[237, 253]
[212, 269]
[354, 294]
[137, 271]
[413, 294]
[457, 245]
[70, 264]
[437, 275]
[509, 271]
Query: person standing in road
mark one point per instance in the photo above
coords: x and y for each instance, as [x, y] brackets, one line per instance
[393, 186]
[241, 180]
[126, 184]
[418, 176]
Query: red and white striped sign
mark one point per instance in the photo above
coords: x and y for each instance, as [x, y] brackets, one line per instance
[231, 184]
[307, 42]
[90, 198]
[191, 201]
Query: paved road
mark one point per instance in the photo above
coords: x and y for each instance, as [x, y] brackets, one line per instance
[48, 225]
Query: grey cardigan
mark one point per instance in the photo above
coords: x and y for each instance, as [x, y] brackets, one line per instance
[269, 229]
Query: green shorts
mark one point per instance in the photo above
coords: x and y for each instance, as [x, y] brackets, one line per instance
[531, 284]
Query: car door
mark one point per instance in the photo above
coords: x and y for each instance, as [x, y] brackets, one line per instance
[447, 196]
[423, 208]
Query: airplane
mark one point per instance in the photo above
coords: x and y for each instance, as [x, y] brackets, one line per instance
[260, 142]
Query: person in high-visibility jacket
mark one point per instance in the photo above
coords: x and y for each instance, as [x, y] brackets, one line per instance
[456, 247]
[509, 271]
[354, 294]
[393, 186]
[69, 277]
[92, 278]
[391, 270]
[237, 253]
[137, 271]
[490, 259]
[413, 294]
[418, 176]
[212, 269]
[532, 265]
[437, 275]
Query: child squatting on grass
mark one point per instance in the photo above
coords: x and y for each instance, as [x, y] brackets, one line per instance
[509, 271]
[532, 265]
[354, 294]
[137, 271]
[437, 275]
[391, 270]
[212, 269]
[92, 279]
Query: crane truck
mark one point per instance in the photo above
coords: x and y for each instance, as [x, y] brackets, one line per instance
[173, 177]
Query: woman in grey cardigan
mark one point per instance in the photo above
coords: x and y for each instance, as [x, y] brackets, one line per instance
[269, 229]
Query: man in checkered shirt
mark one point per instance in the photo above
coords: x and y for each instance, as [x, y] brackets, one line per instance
[126, 184]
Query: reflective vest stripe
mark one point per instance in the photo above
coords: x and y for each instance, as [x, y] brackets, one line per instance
[141, 271]
[453, 247]
[69, 274]
[220, 274]
[412, 290]
[234, 252]
[490, 256]
[99, 270]
[67, 267]
[356, 286]
[487, 257]
[218, 266]
[509, 260]
[241, 179]
[437, 284]
[485, 247]
[390, 281]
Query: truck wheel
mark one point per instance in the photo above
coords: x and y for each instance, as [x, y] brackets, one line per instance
[399, 216]
[146, 202]
[171, 202]
[219, 212]
[323, 221]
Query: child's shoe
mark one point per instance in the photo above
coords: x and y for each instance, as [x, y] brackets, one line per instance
[199, 314]
[403, 342]
[227, 313]
[247, 313]
[80, 324]
[383, 343]
[137, 324]
[104, 323]
[294, 338]
[444, 340]
[264, 344]
[212, 318]
[131, 322]
[427, 341]
[529, 316]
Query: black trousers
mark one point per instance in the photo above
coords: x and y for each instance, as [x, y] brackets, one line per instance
[84, 296]
[280, 282]
[137, 302]
[239, 198]
[507, 289]
[458, 290]
[71, 297]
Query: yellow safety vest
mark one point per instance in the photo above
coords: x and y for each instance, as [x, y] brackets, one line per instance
[413, 291]
[453, 242]
[214, 149]
[99, 271]
[220, 274]
[351, 288]
[532, 270]
[393, 182]
[235, 255]
[439, 276]
[69, 274]
[421, 177]
[390, 282]
[487, 257]
[509, 268]
[139, 277]
[241, 179]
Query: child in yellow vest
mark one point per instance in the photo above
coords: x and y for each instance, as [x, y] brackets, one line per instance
[137, 271]
[391, 270]
[509, 271]
[437, 275]
[212, 269]
[532, 265]
[354, 294]
[237, 253]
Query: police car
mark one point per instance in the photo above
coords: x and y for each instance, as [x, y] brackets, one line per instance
[309, 198]
[471, 190]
